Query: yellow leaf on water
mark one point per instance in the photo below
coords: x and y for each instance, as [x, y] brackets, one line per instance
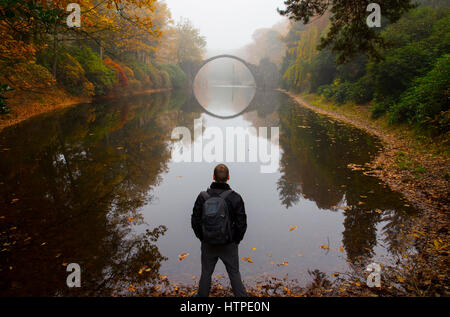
[341, 248]
[253, 249]
[300, 254]
[285, 263]
[325, 247]
[268, 254]
[271, 262]
[182, 256]
[293, 228]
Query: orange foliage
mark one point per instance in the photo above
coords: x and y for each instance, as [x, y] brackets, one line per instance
[123, 80]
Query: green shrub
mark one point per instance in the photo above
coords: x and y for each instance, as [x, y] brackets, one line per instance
[155, 76]
[134, 85]
[426, 103]
[165, 79]
[342, 92]
[362, 91]
[100, 75]
[177, 77]
[326, 91]
[71, 75]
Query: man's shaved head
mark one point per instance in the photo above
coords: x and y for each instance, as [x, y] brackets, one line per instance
[221, 173]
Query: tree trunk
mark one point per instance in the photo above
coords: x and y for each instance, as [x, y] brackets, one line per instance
[101, 51]
[55, 52]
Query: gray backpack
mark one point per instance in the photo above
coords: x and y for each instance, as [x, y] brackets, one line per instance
[216, 224]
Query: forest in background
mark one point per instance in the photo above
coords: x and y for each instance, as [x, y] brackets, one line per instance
[408, 81]
[123, 46]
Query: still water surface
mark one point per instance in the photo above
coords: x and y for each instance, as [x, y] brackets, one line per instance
[96, 185]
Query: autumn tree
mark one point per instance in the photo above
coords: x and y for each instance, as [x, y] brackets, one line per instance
[349, 33]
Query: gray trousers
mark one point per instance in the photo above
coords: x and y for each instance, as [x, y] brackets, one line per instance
[228, 253]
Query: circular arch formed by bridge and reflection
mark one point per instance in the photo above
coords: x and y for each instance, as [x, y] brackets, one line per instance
[252, 68]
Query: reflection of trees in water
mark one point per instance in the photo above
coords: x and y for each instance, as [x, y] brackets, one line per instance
[78, 180]
[315, 154]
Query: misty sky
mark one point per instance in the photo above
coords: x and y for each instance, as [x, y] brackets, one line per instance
[227, 24]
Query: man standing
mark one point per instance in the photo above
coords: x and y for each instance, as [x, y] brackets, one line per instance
[219, 221]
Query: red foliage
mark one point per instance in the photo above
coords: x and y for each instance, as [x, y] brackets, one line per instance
[123, 80]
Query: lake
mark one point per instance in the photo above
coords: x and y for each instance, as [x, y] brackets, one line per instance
[97, 184]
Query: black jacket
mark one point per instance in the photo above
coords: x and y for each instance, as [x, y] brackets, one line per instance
[236, 207]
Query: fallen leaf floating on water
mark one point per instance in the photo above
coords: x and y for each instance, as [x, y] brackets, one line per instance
[300, 254]
[248, 259]
[341, 249]
[182, 256]
[355, 167]
[130, 219]
[271, 262]
[293, 228]
[14, 200]
[163, 277]
[253, 249]
[285, 263]
[143, 268]
[325, 247]
[268, 254]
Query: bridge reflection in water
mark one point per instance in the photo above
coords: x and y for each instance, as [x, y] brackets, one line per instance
[225, 85]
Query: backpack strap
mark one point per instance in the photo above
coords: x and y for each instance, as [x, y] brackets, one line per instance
[225, 194]
[205, 195]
